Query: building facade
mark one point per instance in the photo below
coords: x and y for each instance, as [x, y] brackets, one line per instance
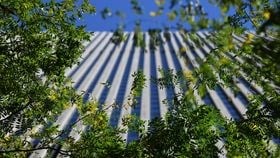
[105, 70]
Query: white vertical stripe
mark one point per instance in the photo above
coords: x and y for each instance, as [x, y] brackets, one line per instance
[162, 92]
[146, 95]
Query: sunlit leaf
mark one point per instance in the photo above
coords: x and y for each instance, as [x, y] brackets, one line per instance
[159, 2]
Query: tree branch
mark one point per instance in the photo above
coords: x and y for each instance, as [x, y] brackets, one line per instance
[250, 19]
[17, 111]
[63, 152]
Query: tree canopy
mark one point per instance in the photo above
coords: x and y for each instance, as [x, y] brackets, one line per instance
[40, 39]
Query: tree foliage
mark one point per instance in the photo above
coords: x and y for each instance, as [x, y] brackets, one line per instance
[40, 39]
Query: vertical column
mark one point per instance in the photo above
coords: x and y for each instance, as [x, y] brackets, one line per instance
[146, 97]
[162, 94]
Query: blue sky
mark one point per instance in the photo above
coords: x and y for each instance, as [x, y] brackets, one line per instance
[96, 23]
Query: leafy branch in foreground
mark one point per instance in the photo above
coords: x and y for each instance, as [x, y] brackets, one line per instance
[40, 39]
[137, 87]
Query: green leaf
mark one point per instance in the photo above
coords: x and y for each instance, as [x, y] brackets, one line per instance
[159, 2]
[202, 90]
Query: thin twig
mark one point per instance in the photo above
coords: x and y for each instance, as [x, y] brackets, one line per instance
[250, 19]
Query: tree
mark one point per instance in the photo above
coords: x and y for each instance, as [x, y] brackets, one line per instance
[39, 40]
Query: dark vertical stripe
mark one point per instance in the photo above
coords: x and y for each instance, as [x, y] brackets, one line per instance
[154, 101]
[231, 108]
[207, 99]
[169, 90]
